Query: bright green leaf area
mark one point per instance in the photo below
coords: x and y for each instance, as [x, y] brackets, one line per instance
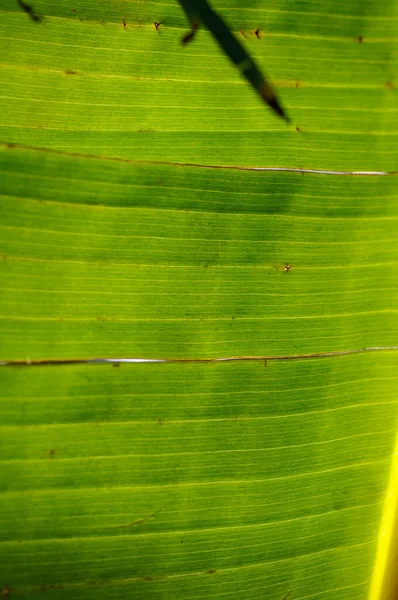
[139, 482]
[82, 81]
[142, 480]
[179, 481]
[106, 258]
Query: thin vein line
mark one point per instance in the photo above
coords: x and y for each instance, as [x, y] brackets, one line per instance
[168, 238]
[101, 360]
[105, 457]
[298, 170]
[265, 11]
[278, 83]
[199, 211]
[179, 532]
[209, 483]
[239, 568]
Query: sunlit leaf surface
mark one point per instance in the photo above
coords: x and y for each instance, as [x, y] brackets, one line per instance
[240, 480]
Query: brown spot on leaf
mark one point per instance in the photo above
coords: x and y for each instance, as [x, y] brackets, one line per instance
[157, 24]
[115, 365]
[360, 39]
[298, 129]
[51, 452]
[188, 37]
[243, 34]
[390, 85]
[5, 592]
[287, 267]
[124, 23]
[140, 520]
[257, 33]
[71, 72]
[191, 34]
[210, 571]
[298, 84]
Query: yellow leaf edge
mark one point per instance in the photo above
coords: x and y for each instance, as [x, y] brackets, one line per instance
[384, 584]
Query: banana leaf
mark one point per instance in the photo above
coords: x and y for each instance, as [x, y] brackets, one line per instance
[198, 309]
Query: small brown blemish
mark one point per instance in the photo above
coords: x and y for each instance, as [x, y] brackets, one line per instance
[390, 85]
[210, 571]
[360, 39]
[287, 267]
[5, 592]
[116, 365]
[46, 588]
[71, 72]
[257, 33]
[188, 37]
[73, 9]
[124, 23]
[141, 521]
[160, 421]
[157, 24]
[298, 84]
[51, 452]
[298, 129]
[243, 34]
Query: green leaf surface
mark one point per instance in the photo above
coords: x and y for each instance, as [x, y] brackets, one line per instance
[229, 480]
[179, 480]
[105, 258]
[98, 77]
